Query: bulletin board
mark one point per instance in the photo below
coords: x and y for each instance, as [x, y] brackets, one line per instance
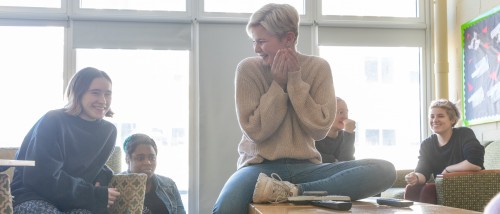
[481, 68]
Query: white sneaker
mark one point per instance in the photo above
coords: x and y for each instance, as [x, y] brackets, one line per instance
[270, 189]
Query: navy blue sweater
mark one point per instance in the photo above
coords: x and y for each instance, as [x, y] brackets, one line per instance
[70, 155]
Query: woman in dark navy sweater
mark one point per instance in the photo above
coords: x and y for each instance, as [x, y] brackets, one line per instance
[70, 147]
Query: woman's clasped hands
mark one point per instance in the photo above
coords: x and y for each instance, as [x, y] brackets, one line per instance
[285, 61]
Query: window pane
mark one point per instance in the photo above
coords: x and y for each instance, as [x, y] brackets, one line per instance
[31, 3]
[32, 78]
[157, 5]
[387, 8]
[247, 6]
[382, 90]
[150, 96]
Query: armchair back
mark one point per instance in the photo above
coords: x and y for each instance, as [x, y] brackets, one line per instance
[472, 190]
[492, 155]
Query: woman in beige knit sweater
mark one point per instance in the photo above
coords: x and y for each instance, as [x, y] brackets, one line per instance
[284, 104]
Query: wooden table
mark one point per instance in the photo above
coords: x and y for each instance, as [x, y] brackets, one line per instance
[368, 206]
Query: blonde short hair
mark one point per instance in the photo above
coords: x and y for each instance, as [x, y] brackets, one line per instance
[278, 19]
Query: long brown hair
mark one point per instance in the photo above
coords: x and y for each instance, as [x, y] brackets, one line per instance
[78, 85]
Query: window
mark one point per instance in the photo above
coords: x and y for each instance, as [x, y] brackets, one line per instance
[158, 5]
[372, 137]
[247, 6]
[383, 98]
[32, 3]
[371, 69]
[385, 8]
[150, 96]
[29, 90]
[389, 136]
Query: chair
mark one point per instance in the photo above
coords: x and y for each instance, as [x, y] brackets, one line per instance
[468, 190]
[131, 186]
[114, 162]
[471, 190]
[425, 193]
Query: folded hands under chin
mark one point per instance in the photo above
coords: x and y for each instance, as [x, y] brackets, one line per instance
[284, 61]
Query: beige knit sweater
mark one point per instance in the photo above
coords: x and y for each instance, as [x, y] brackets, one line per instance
[278, 124]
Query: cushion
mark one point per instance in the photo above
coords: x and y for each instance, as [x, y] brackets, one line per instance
[491, 157]
[115, 160]
[132, 188]
[393, 192]
[5, 196]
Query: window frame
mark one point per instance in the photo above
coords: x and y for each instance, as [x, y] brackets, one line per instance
[230, 17]
[371, 21]
[34, 13]
[78, 13]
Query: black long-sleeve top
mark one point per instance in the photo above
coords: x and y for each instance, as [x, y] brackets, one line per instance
[463, 145]
[336, 149]
[70, 155]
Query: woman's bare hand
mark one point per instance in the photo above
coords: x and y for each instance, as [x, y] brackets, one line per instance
[284, 61]
[411, 178]
[113, 194]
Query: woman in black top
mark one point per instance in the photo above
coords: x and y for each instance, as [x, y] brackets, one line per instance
[448, 149]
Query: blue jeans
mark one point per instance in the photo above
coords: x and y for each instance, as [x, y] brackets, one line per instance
[357, 179]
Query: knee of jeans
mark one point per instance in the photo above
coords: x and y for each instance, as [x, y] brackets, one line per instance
[388, 168]
[228, 205]
[228, 210]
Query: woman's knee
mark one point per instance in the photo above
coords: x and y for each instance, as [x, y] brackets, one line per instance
[385, 170]
[228, 205]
